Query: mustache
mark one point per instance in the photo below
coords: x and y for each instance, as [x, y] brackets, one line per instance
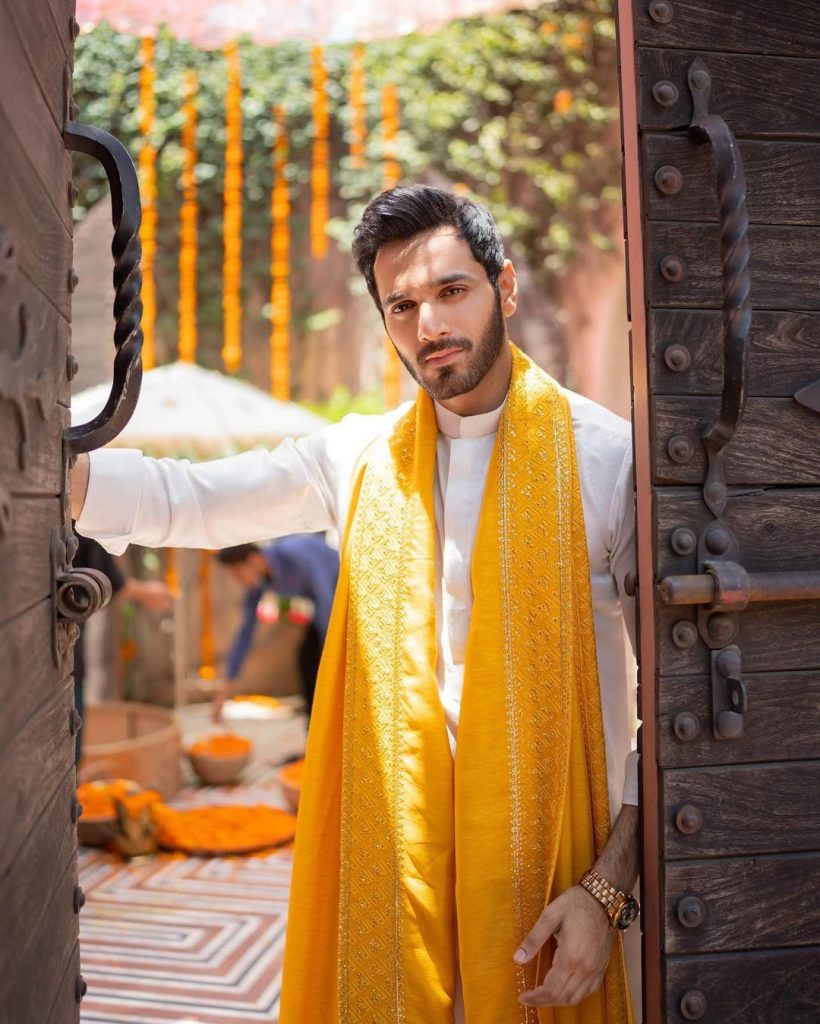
[434, 347]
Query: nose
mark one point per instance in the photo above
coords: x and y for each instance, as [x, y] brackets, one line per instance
[431, 326]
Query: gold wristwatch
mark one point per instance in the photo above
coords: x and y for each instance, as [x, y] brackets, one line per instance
[621, 907]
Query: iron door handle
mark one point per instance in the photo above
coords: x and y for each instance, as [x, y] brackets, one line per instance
[737, 279]
[126, 214]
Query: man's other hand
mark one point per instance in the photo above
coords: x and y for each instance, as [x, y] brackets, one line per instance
[583, 945]
[78, 484]
[225, 692]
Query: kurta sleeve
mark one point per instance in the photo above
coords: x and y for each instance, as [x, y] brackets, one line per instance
[133, 499]
[622, 562]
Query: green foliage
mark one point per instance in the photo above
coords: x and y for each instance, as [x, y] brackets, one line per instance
[517, 109]
[341, 403]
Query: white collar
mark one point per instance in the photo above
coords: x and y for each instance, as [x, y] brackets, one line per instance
[454, 426]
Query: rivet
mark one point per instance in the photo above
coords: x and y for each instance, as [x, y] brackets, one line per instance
[718, 540]
[631, 584]
[729, 724]
[683, 541]
[680, 449]
[71, 367]
[8, 261]
[686, 726]
[722, 628]
[691, 911]
[76, 810]
[728, 663]
[684, 635]
[79, 899]
[73, 27]
[700, 79]
[80, 988]
[75, 721]
[693, 1004]
[661, 11]
[678, 358]
[688, 820]
[669, 180]
[673, 269]
[665, 93]
[73, 280]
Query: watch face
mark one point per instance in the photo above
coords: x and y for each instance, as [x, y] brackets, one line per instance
[628, 913]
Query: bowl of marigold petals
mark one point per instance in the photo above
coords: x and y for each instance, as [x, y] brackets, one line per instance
[219, 759]
[290, 779]
[98, 822]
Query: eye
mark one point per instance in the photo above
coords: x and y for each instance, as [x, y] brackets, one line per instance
[400, 308]
[456, 289]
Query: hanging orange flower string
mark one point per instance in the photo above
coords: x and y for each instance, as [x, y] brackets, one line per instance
[232, 268]
[391, 382]
[280, 265]
[148, 191]
[320, 172]
[206, 619]
[188, 216]
[358, 108]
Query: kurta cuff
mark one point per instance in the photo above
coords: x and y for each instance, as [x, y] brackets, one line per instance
[631, 779]
[112, 499]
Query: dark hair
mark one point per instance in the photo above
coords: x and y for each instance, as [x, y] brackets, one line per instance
[237, 555]
[406, 211]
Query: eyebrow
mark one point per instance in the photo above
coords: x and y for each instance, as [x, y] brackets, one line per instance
[438, 283]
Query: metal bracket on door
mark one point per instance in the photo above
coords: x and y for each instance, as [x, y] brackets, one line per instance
[75, 595]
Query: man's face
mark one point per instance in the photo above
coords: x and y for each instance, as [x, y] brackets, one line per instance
[440, 310]
[248, 573]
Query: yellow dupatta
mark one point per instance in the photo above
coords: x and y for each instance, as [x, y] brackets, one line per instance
[409, 867]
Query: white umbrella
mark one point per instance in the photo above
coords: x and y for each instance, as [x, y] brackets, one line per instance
[185, 410]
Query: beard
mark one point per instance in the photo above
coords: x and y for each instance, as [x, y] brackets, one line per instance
[445, 382]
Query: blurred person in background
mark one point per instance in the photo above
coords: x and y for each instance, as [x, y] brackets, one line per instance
[302, 566]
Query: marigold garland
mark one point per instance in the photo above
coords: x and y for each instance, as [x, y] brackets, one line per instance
[320, 172]
[358, 111]
[391, 376]
[148, 193]
[207, 669]
[280, 265]
[232, 229]
[188, 216]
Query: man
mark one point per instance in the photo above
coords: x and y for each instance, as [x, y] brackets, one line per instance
[465, 748]
[299, 566]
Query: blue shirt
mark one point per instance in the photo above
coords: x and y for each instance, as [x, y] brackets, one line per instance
[300, 566]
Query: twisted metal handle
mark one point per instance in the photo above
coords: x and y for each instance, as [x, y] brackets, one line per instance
[737, 280]
[126, 214]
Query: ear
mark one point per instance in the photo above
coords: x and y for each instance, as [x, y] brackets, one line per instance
[508, 289]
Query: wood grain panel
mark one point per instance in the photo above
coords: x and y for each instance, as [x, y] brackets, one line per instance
[739, 25]
[44, 469]
[34, 130]
[25, 557]
[40, 972]
[44, 52]
[782, 721]
[746, 809]
[751, 903]
[785, 266]
[773, 638]
[44, 244]
[783, 180]
[28, 677]
[777, 443]
[35, 762]
[783, 352]
[776, 987]
[777, 530]
[742, 92]
[64, 1007]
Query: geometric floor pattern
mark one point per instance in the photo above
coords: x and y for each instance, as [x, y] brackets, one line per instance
[187, 940]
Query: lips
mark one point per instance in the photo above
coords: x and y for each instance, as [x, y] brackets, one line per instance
[442, 358]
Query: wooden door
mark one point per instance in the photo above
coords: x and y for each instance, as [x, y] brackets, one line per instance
[721, 133]
[41, 597]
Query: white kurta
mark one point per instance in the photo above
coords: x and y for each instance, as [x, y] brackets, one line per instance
[304, 486]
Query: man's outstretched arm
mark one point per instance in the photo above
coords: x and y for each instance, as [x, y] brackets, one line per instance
[580, 924]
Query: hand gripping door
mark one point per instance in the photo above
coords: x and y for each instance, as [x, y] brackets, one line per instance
[723, 588]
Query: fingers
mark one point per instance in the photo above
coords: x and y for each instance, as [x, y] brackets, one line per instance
[545, 927]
